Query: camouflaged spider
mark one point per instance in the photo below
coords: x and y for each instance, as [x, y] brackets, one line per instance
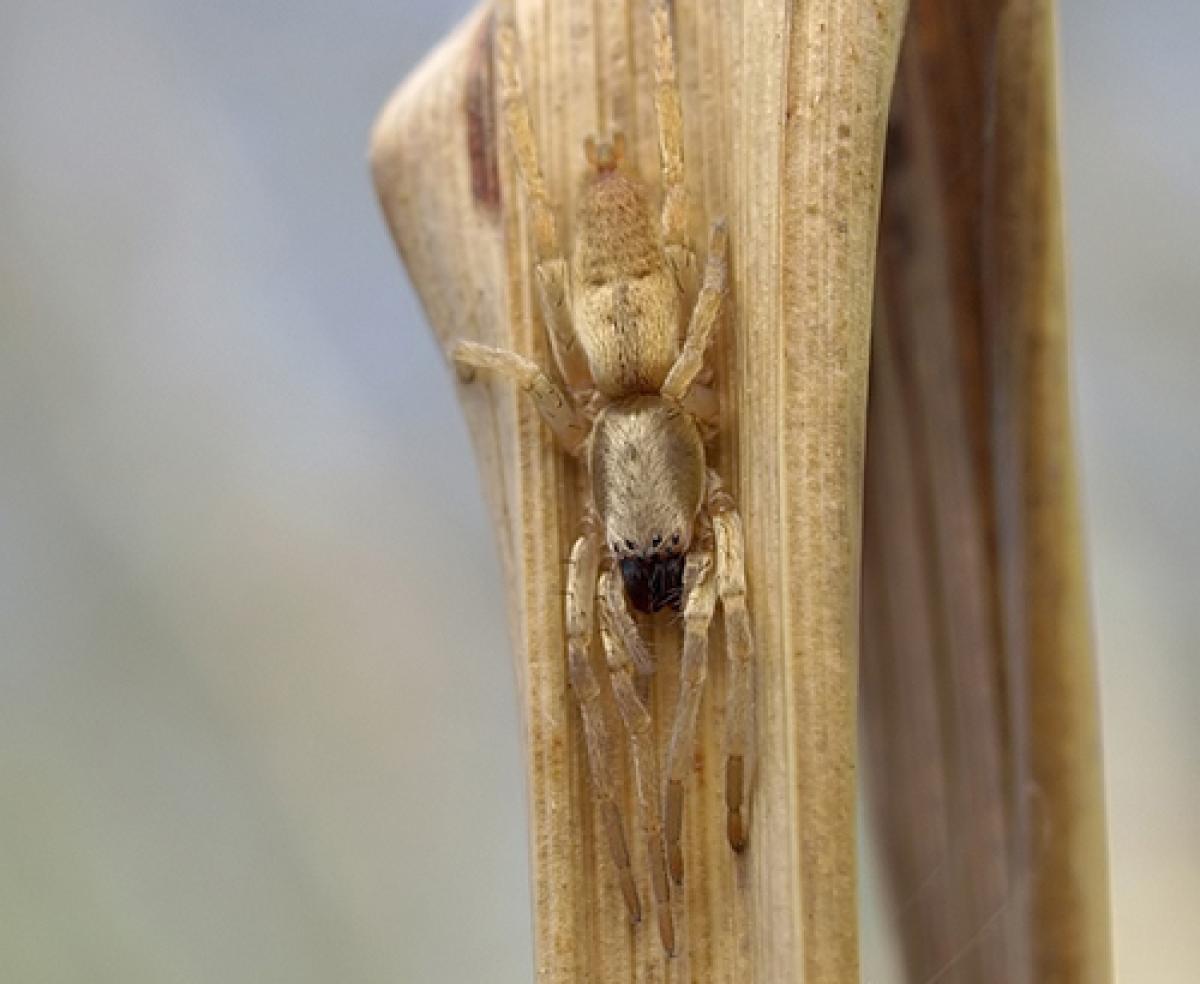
[635, 415]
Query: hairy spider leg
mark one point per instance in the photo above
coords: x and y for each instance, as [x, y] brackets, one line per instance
[700, 594]
[641, 742]
[706, 315]
[668, 109]
[569, 425]
[551, 269]
[626, 629]
[739, 644]
[581, 594]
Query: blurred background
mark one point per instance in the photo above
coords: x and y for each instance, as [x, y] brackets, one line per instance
[257, 721]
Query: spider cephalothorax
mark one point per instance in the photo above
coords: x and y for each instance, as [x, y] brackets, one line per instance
[660, 532]
[646, 460]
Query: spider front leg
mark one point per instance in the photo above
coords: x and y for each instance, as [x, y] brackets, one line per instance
[551, 271]
[581, 594]
[569, 425]
[623, 626]
[667, 107]
[731, 588]
[641, 741]
[700, 597]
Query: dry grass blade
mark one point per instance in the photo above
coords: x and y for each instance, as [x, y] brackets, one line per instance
[979, 696]
[787, 145]
[785, 108]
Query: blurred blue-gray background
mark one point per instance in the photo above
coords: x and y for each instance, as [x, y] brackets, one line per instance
[256, 713]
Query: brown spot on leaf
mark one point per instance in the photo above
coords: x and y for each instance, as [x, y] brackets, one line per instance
[480, 111]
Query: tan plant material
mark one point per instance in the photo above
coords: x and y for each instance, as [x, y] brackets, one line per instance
[784, 110]
[979, 693]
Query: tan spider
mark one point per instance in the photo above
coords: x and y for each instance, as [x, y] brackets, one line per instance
[634, 415]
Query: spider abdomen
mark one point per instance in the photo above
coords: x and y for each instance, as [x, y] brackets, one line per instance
[625, 297]
[628, 330]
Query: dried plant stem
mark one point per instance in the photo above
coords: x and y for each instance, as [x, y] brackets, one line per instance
[979, 692]
[785, 109]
